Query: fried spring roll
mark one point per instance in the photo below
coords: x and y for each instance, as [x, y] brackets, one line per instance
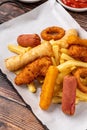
[19, 61]
[69, 95]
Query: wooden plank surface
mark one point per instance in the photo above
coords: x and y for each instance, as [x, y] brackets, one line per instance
[81, 18]
[14, 114]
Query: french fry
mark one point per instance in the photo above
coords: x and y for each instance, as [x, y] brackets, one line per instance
[61, 61]
[61, 75]
[48, 88]
[81, 96]
[77, 100]
[69, 64]
[56, 51]
[66, 57]
[53, 61]
[18, 49]
[57, 89]
[64, 50]
[32, 88]
[56, 100]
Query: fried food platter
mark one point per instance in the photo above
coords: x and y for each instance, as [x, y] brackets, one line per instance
[37, 19]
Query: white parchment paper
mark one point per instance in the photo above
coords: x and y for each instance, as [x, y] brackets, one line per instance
[48, 14]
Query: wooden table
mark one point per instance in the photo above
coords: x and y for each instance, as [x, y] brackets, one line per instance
[14, 113]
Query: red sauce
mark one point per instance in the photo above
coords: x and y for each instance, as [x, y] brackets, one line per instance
[76, 3]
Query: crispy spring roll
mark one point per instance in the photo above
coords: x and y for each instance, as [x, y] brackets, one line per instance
[19, 61]
[69, 94]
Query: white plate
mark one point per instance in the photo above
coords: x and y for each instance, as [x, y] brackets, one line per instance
[71, 8]
[47, 14]
[29, 1]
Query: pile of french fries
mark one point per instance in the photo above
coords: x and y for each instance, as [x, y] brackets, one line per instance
[65, 64]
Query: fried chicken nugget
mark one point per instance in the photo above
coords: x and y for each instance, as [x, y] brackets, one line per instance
[33, 70]
[78, 52]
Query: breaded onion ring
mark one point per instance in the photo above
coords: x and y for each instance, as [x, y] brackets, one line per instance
[53, 32]
[81, 73]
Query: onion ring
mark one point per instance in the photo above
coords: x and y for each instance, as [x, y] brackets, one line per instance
[53, 32]
[81, 73]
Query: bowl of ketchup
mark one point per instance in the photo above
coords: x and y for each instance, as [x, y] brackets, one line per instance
[74, 5]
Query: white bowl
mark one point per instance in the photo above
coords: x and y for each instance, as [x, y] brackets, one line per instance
[71, 8]
[29, 1]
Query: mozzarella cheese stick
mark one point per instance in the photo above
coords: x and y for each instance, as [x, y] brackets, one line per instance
[19, 61]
